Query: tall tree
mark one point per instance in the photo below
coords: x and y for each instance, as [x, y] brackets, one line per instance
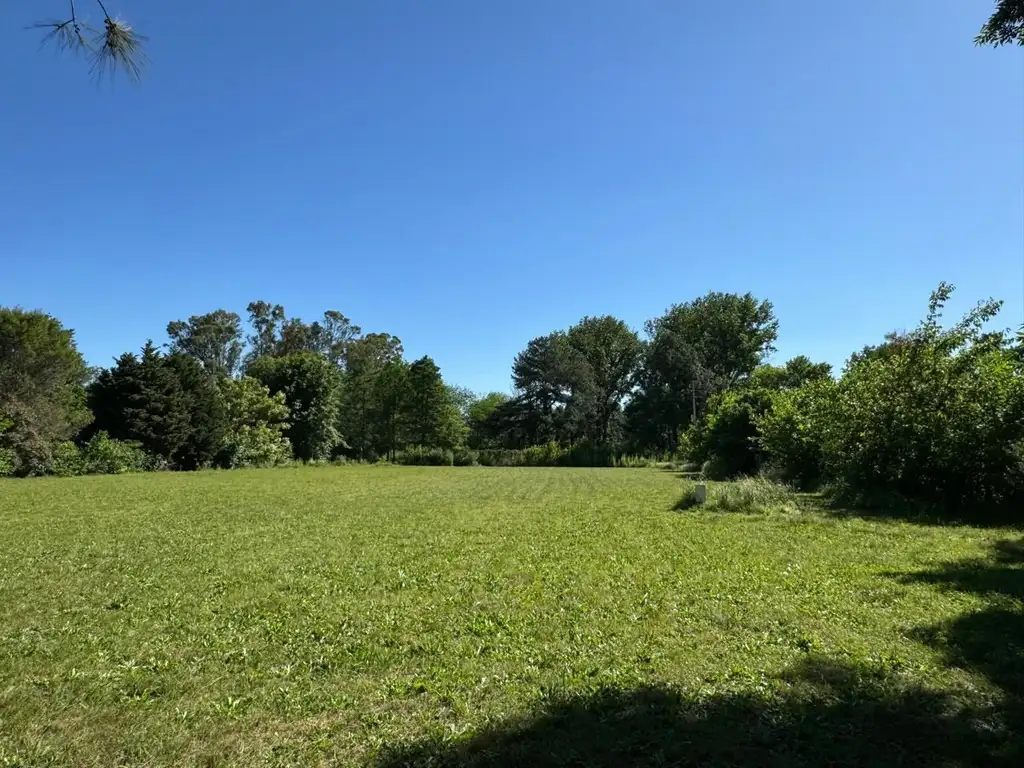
[431, 419]
[390, 394]
[482, 433]
[207, 412]
[365, 358]
[265, 320]
[256, 421]
[729, 334]
[311, 387]
[608, 351]
[333, 336]
[42, 378]
[142, 399]
[214, 339]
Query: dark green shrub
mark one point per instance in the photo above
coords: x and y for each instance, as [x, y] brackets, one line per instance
[66, 460]
[464, 457]
[425, 457]
[588, 455]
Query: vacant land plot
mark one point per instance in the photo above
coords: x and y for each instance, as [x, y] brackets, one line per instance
[393, 616]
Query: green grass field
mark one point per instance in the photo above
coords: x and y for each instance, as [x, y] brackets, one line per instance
[471, 616]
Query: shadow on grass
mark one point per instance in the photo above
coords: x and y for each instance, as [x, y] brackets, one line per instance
[989, 641]
[888, 508]
[823, 713]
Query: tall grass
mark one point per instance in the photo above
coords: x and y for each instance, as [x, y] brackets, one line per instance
[748, 494]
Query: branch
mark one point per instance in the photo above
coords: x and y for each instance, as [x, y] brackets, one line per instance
[116, 46]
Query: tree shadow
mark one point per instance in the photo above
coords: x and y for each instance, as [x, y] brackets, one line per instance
[821, 712]
[990, 641]
[888, 507]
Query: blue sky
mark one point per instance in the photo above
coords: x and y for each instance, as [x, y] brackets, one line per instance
[468, 175]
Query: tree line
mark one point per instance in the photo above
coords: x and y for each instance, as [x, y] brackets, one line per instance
[932, 417]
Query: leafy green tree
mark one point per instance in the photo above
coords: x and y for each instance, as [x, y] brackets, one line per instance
[479, 416]
[728, 438]
[256, 420]
[1005, 26]
[553, 393]
[790, 433]
[365, 358]
[333, 336]
[430, 417]
[266, 320]
[389, 397]
[694, 351]
[214, 339]
[141, 399]
[729, 334]
[42, 396]
[938, 420]
[312, 389]
[609, 352]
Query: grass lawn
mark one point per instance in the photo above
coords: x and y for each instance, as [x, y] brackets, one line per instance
[472, 616]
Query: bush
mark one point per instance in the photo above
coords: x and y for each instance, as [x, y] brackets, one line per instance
[464, 457]
[103, 456]
[791, 433]
[419, 456]
[547, 455]
[66, 460]
[255, 446]
[748, 494]
[7, 462]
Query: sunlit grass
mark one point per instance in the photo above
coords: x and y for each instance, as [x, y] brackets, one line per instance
[318, 616]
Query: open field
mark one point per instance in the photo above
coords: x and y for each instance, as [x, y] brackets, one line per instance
[392, 616]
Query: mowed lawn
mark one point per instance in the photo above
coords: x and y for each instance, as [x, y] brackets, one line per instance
[472, 616]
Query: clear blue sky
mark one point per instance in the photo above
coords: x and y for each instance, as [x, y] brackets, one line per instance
[468, 175]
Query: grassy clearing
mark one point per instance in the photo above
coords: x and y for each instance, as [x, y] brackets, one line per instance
[393, 616]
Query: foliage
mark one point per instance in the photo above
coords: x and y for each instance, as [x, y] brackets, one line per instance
[8, 458]
[42, 400]
[214, 339]
[430, 416]
[258, 445]
[311, 388]
[363, 406]
[694, 351]
[223, 618]
[748, 494]
[256, 421]
[932, 419]
[207, 413]
[1005, 26]
[417, 455]
[104, 456]
[790, 433]
[464, 457]
[727, 439]
[142, 399]
[482, 431]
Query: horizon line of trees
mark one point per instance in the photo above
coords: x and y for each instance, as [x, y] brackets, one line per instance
[933, 416]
